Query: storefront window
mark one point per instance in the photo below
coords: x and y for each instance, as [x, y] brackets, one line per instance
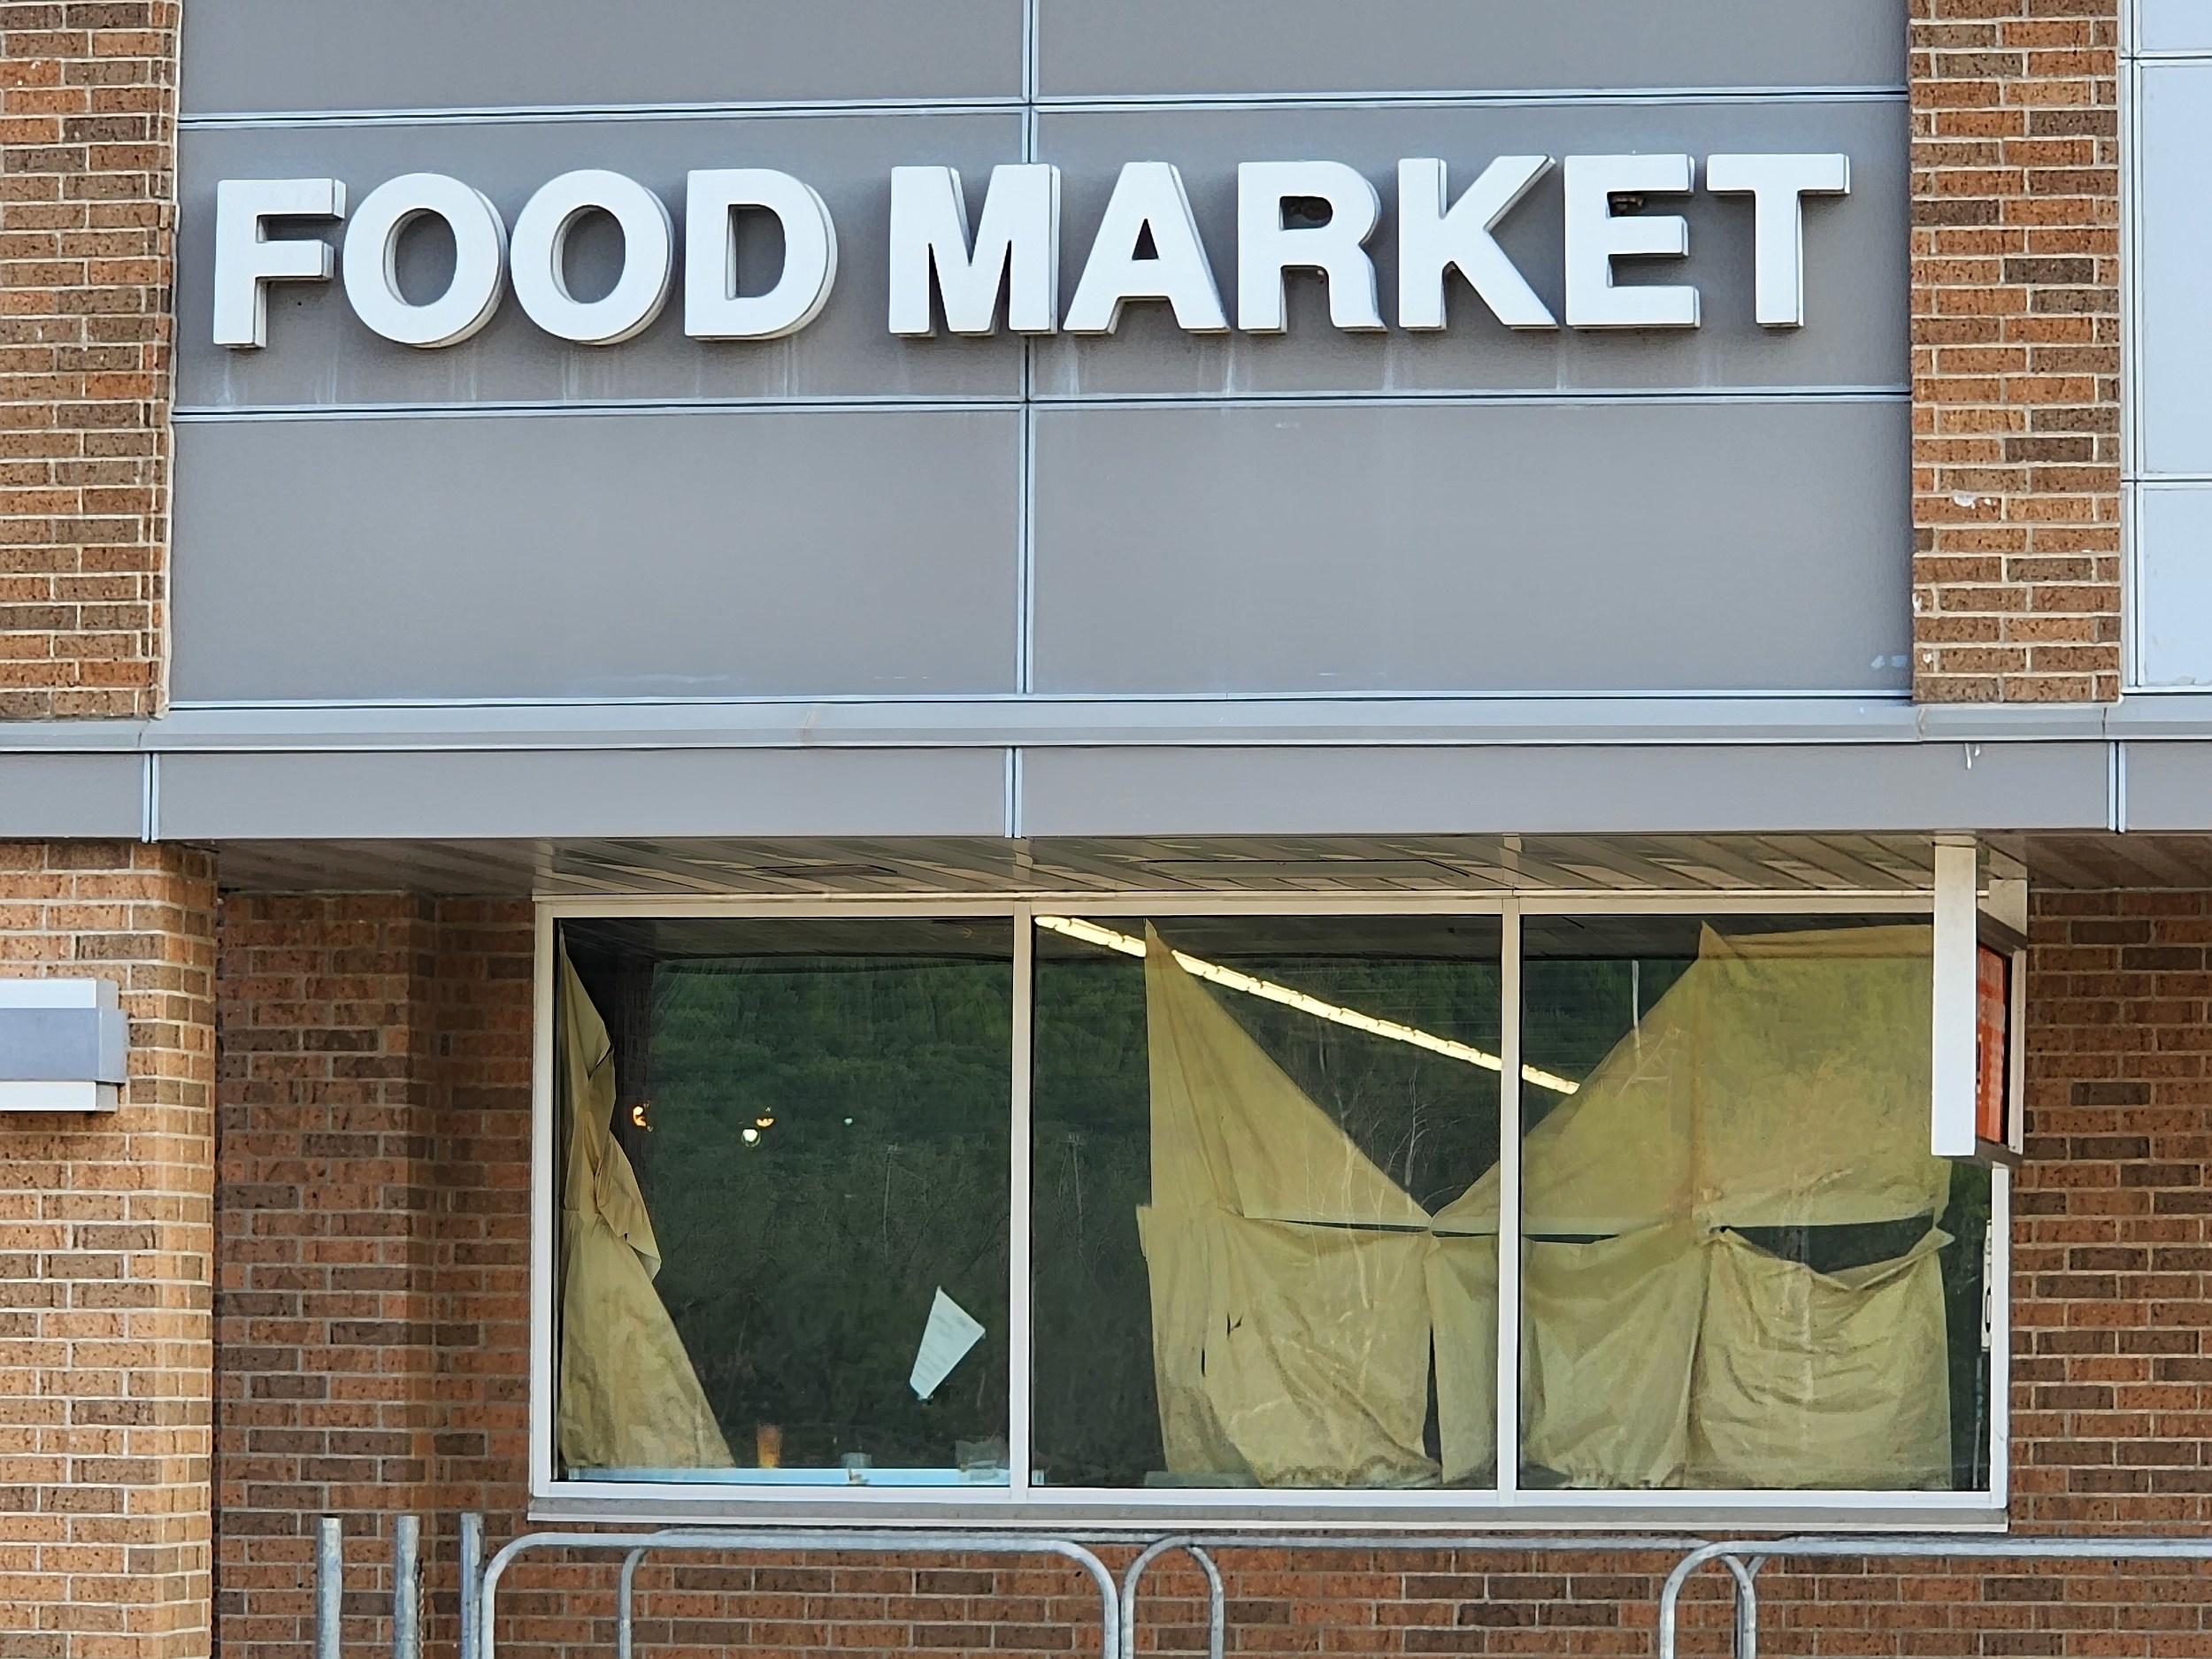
[785, 1195]
[1264, 1194]
[1742, 1268]
[1266, 1219]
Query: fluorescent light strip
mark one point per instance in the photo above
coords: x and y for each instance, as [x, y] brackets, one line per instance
[1129, 945]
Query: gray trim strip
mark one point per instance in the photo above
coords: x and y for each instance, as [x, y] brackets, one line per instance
[497, 115]
[1688, 789]
[1000, 721]
[1863, 769]
[582, 794]
[206, 414]
[70, 795]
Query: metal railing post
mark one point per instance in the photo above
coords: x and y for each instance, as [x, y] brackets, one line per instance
[626, 1605]
[1216, 1620]
[1747, 1604]
[472, 1580]
[407, 1586]
[330, 1588]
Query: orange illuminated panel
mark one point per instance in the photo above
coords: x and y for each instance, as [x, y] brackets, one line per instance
[1993, 1019]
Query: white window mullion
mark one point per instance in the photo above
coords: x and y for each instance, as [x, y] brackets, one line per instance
[543, 1243]
[1509, 1203]
[1019, 1359]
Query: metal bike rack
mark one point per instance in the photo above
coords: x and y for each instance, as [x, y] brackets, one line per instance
[1200, 1545]
[1745, 1557]
[406, 1586]
[479, 1583]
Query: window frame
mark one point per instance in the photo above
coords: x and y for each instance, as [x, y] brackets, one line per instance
[1503, 1508]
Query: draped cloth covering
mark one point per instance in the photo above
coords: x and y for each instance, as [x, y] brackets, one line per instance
[629, 1398]
[1295, 1286]
[1301, 1297]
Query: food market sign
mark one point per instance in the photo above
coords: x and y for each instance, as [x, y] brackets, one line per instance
[1004, 262]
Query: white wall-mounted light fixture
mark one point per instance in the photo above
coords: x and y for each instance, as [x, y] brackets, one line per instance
[1953, 1069]
[64, 1046]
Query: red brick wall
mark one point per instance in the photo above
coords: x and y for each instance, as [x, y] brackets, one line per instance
[372, 1326]
[105, 1245]
[87, 118]
[374, 1112]
[2016, 304]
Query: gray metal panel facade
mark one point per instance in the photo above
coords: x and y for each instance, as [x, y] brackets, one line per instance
[2168, 786]
[459, 796]
[96, 797]
[1199, 47]
[1337, 549]
[264, 55]
[715, 554]
[1857, 277]
[1561, 791]
[320, 355]
[1313, 513]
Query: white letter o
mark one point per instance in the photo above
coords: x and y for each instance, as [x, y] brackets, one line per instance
[649, 257]
[370, 260]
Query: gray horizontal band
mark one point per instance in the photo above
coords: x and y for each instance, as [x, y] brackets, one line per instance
[1013, 720]
[552, 785]
[1112, 791]
[1519, 99]
[1488, 398]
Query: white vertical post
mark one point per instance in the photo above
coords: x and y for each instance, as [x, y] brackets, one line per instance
[407, 1586]
[1951, 1115]
[1510, 1201]
[1999, 1359]
[542, 1242]
[330, 1589]
[471, 1578]
[1019, 1363]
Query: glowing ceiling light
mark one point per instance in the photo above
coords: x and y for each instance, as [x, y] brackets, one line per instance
[1129, 945]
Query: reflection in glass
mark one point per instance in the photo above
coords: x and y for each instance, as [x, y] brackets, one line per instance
[785, 1179]
[1266, 1246]
[1742, 1267]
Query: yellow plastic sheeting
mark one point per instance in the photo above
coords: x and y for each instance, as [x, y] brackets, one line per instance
[1608, 1332]
[1315, 1360]
[1813, 1077]
[1782, 1082]
[1461, 1274]
[629, 1398]
[1806, 1379]
[1295, 1287]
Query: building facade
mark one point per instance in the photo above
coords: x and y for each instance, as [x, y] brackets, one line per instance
[898, 766]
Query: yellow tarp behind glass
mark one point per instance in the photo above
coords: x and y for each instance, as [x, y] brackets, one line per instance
[628, 1397]
[1300, 1296]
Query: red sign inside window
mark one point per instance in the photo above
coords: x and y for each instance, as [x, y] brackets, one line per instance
[1992, 1043]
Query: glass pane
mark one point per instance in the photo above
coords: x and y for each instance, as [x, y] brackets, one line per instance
[1742, 1267]
[1266, 1180]
[817, 1118]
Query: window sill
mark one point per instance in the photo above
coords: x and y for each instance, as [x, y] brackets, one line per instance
[1086, 1513]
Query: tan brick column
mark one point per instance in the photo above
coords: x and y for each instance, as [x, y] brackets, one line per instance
[106, 1238]
[2015, 326]
[88, 114]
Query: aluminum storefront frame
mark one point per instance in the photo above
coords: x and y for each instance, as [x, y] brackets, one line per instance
[1020, 1504]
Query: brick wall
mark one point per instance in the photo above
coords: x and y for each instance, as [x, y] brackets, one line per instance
[2015, 360]
[87, 119]
[374, 1116]
[105, 1245]
[372, 1326]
